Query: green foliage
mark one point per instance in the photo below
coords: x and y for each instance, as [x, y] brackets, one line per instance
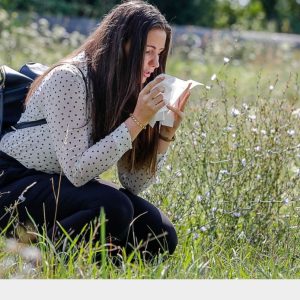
[275, 15]
[231, 181]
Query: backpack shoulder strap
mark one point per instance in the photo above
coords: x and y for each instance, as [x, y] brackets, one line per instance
[43, 121]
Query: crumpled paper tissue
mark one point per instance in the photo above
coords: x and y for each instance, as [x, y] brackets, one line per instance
[173, 87]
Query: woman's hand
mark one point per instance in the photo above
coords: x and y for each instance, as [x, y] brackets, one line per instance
[149, 102]
[178, 111]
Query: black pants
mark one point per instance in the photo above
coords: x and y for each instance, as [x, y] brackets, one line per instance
[50, 199]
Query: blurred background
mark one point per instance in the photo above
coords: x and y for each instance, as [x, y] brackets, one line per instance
[253, 36]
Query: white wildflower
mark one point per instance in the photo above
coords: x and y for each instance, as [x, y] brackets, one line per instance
[245, 106]
[236, 214]
[258, 176]
[286, 201]
[252, 117]
[203, 134]
[271, 87]
[178, 174]
[235, 145]
[203, 229]
[224, 172]
[233, 135]
[208, 87]
[255, 130]
[199, 198]
[263, 132]
[213, 77]
[296, 171]
[257, 148]
[296, 113]
[196, 236]
[291, 132]
[226, 60]
[169, 167]
[243, 162]
[235, 112]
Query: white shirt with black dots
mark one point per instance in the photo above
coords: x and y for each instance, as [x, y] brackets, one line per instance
[65, 144]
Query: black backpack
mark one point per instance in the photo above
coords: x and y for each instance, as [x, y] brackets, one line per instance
[14, 86]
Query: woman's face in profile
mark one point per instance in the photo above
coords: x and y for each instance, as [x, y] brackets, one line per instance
[155, 45]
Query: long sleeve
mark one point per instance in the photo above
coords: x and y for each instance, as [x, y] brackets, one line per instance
[65, 108]
[141, 179]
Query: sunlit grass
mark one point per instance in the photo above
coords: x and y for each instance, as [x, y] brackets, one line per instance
[231, 182]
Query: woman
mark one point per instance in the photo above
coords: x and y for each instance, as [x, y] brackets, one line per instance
[97, 103]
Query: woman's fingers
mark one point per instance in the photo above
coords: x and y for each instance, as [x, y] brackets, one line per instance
[176, 111]
[152, 84]
[184, 97]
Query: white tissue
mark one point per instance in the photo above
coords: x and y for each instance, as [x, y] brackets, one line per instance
[173, 87]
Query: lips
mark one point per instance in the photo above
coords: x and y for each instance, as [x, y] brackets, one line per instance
[147, 74]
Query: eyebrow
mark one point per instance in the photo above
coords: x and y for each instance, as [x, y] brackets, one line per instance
[154, 47]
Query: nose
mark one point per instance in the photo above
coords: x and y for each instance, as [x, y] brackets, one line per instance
[155, 61]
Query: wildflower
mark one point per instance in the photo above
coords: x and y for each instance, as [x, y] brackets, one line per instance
[255, 130]
[243, 162]
[208, 87]
[199, 198]
[203, 228]
[296, 113]
[169, 167]
[257, 148]
[291, 132]
[271, 87]
[178, 174]
[203, 134]
[226, 60]
[223, 172]
[258, 176]
[213, 77]
[236, 214]
[196, 236]
[252, 117]
[286, 201]
[263, 132]
[31, 254]
[297, 171]
[235, 112]
[214, 209]
[245, 106]
[229, 127]
[235, 146]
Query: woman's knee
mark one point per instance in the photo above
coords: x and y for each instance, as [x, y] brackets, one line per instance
[116, 205]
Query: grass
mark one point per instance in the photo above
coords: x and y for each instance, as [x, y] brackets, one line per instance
[230, 185]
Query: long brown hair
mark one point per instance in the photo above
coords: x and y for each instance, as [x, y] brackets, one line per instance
[115, 74]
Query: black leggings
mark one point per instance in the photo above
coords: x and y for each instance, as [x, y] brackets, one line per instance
[130, 220]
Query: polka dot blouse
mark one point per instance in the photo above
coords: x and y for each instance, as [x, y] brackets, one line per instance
[65, 144]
